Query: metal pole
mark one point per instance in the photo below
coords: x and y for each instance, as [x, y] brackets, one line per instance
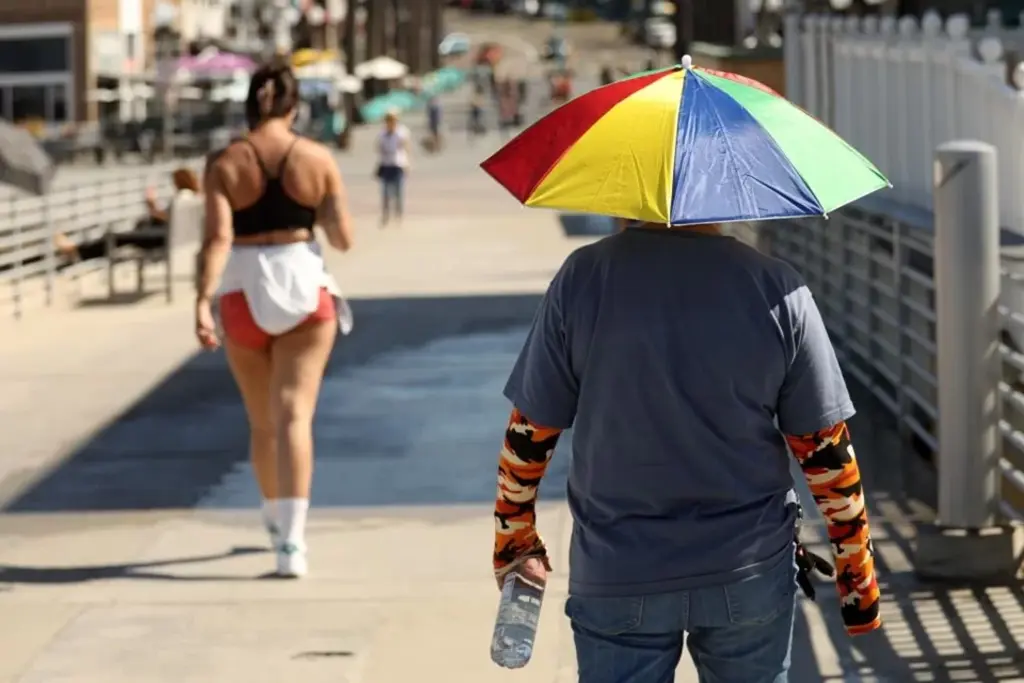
[414, 36]
[282, 27]
[436, 33]
[166, 96]
[246, 28]
[967, 282]
[684, 28]
[331, 17]
[51, 256]
[351, 59]
[400, 37]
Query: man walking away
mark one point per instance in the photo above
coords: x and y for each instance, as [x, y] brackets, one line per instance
[689, 365]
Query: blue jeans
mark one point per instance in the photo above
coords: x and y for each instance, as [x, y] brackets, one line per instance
[392, 179]
[736, 633]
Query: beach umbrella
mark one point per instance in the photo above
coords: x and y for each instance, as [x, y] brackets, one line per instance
[381, 68]
[213, 64]
[23, 162]
[683, 146]
[397, 100]
[443, 80]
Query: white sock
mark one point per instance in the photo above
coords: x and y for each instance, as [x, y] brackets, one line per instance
[269, 510]
[292, 515]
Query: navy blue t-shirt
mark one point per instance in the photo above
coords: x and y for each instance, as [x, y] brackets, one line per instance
[677, 357]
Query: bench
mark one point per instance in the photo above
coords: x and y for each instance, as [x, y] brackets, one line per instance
[184, 226]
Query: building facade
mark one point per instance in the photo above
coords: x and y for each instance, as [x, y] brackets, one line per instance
[53, 53]
[43, 57]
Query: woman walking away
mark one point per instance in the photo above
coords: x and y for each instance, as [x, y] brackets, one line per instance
[279, 309]
[393, 150]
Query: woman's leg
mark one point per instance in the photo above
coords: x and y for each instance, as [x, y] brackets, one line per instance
[298, 361]
[251, 370]
[385, 197]
[399, 193]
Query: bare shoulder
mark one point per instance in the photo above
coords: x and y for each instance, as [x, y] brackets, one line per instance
[311, 151]
[226, 158]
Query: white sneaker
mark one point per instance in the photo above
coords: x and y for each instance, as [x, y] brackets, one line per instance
[291, 561]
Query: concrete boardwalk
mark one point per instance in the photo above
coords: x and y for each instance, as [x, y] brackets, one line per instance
[129, 544]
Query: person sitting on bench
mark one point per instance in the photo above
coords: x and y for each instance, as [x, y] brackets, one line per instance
[149, 232]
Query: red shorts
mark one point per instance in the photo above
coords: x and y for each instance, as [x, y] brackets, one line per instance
[242, 329]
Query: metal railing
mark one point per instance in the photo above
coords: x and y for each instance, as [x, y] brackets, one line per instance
[31, 268]
[871, 268]
[896, 89]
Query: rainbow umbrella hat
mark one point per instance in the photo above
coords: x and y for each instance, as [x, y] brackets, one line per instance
[683, 146]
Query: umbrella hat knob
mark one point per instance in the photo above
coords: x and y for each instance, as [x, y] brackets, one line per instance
[687, 62]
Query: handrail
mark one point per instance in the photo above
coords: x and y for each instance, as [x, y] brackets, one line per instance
[29, 263]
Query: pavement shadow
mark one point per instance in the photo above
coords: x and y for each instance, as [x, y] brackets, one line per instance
[14, 574]
[117, 299]
[932, 632]
[938, 632]
[411, 413]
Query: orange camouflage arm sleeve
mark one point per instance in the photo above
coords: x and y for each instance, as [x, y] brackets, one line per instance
[830, 468]
[524, 458]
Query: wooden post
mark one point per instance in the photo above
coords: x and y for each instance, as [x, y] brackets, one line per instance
[436, 33]
[349, 47]
[374, 32]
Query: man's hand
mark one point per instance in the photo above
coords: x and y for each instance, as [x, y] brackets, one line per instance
[534, 568]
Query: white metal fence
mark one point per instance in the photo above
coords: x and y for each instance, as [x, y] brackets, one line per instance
[898, 89]
[30, 268]
[871, 270]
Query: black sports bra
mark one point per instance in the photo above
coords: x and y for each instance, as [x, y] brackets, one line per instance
[274, 210]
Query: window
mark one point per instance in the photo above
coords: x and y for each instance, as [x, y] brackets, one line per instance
[28, 102]
[31, 55]
[57, 104]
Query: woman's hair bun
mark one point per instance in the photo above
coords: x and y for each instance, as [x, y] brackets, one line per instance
[273, 91]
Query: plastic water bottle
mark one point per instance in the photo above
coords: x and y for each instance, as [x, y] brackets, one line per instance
[516, 625]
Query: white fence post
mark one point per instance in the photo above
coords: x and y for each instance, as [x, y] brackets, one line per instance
[966, 544]
[823, 32]
[811, 64]
[50, 252]
[793, 56]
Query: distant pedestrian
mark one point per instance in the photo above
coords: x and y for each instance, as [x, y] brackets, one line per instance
[523, 92]
[508, 106]
[434, 122]
[393, 162]
[476, 126]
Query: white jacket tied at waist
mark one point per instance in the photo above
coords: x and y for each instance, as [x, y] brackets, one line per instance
[282, 284]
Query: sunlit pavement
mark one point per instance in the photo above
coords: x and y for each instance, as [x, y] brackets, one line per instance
[130, 548]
